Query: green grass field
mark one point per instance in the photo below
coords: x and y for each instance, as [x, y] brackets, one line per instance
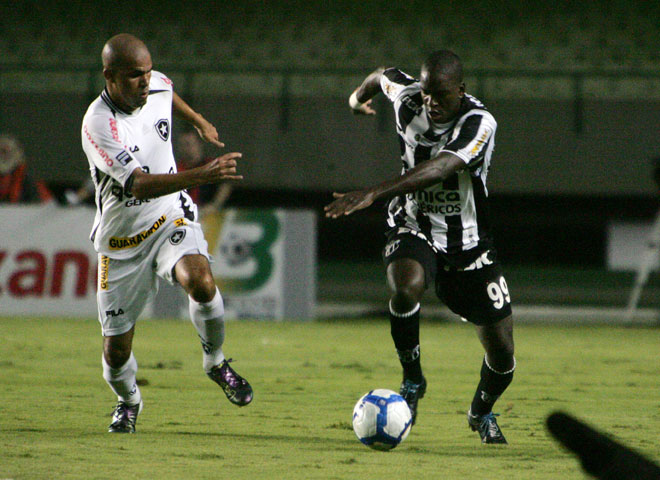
[307, 377]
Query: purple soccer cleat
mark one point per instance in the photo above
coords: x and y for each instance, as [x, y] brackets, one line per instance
[237, 389]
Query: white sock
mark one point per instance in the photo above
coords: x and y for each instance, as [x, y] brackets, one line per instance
[210, 324]
[122, 380]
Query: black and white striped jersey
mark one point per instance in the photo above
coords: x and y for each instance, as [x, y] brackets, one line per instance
[451, 215]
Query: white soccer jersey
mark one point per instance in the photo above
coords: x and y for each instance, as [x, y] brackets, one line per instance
[451, 214]
[116, 143]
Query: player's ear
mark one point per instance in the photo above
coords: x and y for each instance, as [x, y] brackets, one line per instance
[107, 74]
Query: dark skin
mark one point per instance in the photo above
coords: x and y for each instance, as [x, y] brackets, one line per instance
[127, 70]
[442, 92]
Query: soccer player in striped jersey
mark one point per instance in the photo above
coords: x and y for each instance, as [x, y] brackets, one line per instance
[438, 225]
[146, 225]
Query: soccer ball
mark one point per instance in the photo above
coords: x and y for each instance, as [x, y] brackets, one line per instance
[381, 419]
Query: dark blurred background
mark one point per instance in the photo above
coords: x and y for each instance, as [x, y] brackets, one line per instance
[574, 86]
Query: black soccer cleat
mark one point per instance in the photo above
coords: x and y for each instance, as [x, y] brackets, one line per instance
[412, 392]
[124, 418]
[487, 426]
[237, 389]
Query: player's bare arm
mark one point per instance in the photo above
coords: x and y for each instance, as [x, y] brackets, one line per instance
[423, 175]
[205, 128]
[360, 99]
[146, 185]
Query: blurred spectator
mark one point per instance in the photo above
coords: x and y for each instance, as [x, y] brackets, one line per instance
[190, 154]
[16, 184]
[84, 195]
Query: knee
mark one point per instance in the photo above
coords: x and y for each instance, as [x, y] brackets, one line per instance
[201, 288]
[500, 357]
[406, 295]
[116, 356]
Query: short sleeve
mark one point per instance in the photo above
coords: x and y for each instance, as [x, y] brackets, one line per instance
[393, 82]
[104, 147]
[472, 135]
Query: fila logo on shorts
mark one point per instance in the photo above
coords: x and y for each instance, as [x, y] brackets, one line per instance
[163, 129]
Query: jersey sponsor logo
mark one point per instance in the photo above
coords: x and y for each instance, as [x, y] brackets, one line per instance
[440, 202]
[104, 155]
[103, 272]
[177, 237]
[480, 142]
[124, 157]
[163, 129]
[135, 202]
[113, 130]
[121, 243]
[114, 313]
[180, 222]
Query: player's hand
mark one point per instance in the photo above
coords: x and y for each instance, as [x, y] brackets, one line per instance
[359, 108]
[209, 133]
[222, 168]
[364, 109]
[347, 203]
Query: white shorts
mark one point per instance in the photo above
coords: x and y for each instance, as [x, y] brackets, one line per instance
[125, 286]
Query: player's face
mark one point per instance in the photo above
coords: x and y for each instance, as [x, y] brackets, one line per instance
[129, 84]
[442, 95]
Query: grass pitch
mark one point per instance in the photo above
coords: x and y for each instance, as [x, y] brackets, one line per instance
[55, 406]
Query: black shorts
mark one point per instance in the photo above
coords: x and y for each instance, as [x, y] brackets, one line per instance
[471, 284]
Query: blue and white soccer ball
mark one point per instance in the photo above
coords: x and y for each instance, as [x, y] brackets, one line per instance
[381, 419]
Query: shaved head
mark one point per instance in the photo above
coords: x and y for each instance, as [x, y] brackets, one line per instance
[442, 85]
[444, 62]
[123, 50]
[127, 71]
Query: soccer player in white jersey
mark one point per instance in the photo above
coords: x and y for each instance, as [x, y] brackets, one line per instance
[439, 229]
[146, 225]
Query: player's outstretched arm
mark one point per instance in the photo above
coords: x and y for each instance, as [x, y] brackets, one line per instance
[417, 178]
[360, 99]
[205, 128]
[145, 185]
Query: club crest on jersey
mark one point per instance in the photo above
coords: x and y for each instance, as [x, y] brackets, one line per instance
[177, 237]
[162, 127]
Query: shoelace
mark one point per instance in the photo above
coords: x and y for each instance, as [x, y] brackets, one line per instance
[410, 387]
[122, 409]
[488, 422]
[231, 377]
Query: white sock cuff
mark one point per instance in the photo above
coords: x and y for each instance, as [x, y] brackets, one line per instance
[495, 371]
[407, 314]
[209, 310]
[131, 364]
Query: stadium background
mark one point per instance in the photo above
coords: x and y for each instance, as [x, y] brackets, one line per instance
[575, 88]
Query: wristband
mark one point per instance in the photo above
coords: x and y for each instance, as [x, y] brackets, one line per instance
[354, 103]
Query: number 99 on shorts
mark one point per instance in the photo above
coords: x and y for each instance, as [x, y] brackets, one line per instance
[498, 292]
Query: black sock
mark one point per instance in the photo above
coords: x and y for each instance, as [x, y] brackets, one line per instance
[405, 333]
[491, 386]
